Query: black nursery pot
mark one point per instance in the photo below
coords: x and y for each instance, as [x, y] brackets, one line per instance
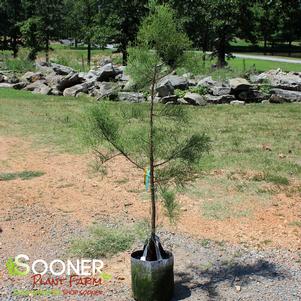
[152, 280]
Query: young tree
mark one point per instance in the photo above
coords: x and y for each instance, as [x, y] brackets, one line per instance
[159, 144]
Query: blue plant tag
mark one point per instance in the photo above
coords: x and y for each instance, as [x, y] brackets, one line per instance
[147, 179]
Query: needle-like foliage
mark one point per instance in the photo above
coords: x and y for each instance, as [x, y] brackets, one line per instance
[152, 136]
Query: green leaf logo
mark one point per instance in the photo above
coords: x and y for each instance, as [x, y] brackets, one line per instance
[105, 276]
[13, 270]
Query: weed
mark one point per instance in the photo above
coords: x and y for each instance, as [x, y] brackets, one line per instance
[24, 175]
[103, 242]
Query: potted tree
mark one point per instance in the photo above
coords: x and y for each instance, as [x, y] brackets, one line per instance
[166, 151]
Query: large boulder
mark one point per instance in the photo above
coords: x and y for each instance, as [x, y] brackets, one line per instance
[280, 95]
[38, 87]
[35, 85]
[239, 84]
[220, 90]
[207, 82]
[168, 99]
[131, 96]
[167, 85]
[6, 85]
[251, 95]
[106, 72]
[105, 90]
[31, 77]
[195, 99]
[68, 81]
[218, 99]
[279, 79]
[74, 90]
[61, 69]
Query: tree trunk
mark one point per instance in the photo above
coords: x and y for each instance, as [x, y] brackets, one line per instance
[221, 52]
[75, 43]
[89, 53]
[265, 45]
[47, 50]
[151, 158]
[290, 48]
[14, 46]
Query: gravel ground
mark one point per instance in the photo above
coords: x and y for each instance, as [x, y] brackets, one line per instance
[204, 270]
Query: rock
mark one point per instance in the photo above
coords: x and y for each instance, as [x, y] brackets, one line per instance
[90, 76]
[74, 90]
[13, 79]
[38, 87]
[42, 89]
[207, 82]
[105, 90]
[60, 69]
[280, 95]
[219, 90]
[6, 85]
[70, 80]
[31, 77]
[164, 89]
[19, 85]
[131, 96]
[52, 79]
[107, 72]
[105, 61]
[169, 83]
[239, 84]
[195, 99]
[218, 99]
[182, 101]
[279, 79]
[169, 99]
[2, 78]
[178, 82]
[266, 101]
[251, 95]
[35, 85]
[237, 102]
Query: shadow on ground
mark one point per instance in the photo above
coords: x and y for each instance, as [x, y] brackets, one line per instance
[208, 281]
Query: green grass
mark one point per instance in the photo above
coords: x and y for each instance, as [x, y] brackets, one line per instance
[103, 241]
[238, 134]
[24, 175]
[237, 67]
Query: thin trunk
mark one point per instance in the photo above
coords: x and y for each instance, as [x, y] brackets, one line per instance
[89, 53]
[75, 43]
[124, 53]
[265, 45]
[47, 49]
[14, 44]
[151, 158]
[290, 48]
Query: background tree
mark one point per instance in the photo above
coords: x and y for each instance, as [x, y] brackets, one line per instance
[43, 22]
[122, 18]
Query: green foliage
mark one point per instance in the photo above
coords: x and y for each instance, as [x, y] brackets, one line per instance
[170, 204]
[202, 90]
[141, 64]
[34, 36]
[163, 31]
[103, 242]
[20, 64]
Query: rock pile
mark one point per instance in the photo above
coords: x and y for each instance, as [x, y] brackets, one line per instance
[111, 82]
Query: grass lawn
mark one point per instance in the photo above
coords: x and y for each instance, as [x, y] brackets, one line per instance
[252, 145]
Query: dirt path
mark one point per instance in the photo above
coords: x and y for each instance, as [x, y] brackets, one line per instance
[39, 216]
